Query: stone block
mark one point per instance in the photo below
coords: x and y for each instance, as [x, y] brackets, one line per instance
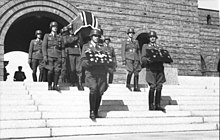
[171, 75]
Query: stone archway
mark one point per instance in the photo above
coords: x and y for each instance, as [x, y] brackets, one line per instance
[14, 12]
[141, 37]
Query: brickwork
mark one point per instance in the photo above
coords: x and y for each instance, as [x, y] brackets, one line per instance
[180, 25]
[209, 39]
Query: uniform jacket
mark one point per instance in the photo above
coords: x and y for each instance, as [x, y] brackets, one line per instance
[111, 50]
[35, 49]
[145, 58]
[130, 50]
[92, 69]
[71, 45]
[53, 46]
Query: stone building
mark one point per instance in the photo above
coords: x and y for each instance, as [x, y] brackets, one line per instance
[191, 35]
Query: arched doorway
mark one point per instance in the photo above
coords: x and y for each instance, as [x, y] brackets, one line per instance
[21, 19]
[21, 32]
[142, 39]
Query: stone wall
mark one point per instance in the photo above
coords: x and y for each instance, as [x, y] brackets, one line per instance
[209, 40]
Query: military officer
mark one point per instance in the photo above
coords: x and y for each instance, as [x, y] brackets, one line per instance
[131, 58]
[111, 51]
[64, 77]
[35, 57]
[73, 52]
[154, 73]
[96, 76]
[53, 55]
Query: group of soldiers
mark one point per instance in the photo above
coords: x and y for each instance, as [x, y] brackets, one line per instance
[58, 56]
[63, 55]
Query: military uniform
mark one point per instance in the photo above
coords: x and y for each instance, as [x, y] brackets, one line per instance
[36, 57]
[54, 54]
[73, 52]
[154, 74]
[131, 58]
[111, 51]
[96, 76]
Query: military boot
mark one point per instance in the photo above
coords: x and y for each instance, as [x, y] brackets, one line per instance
[136, 85]
[110, 79]
[151, 99]
[34, 77]
[128, 85]
[97, 105]
[49, 80]
[79, 85]
[41, 76]
[56, 78]
[157, 101]
[92, 103]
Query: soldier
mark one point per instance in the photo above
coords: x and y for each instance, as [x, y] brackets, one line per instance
[53, 55]
[19, 75]
[64, 77]
[73, 52]
[154, 73]
[96, 76]
[131, 58]
[36, 56]
[111, 51]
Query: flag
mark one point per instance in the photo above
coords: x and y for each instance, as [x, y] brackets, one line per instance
[83, 20]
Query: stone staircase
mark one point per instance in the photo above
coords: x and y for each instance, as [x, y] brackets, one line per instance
[29, 110]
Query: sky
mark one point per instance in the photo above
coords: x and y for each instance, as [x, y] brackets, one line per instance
[209, 4]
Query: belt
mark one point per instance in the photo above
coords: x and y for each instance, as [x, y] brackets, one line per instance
[131, 50]
[37, 50]
[54, 47]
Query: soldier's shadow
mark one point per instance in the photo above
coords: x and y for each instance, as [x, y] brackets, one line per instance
[167, 100]
[111, 105]
[118, 105]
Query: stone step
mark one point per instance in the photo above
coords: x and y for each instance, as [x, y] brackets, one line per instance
[122, 121]
[206, 85]
[121, 102]
[68, 131]
[108, 92]
[15, 124]
[182, 135]
[16, 102]
[19, 108]
[15, 97]
[198, 80]
[98, 130]
[125, 90]
[205, 113]
[211, 119]
[25, 133]
[109, 97]
[13, 92]
[64, 108]
[29, 123]
[114, 114]
[20, 115]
